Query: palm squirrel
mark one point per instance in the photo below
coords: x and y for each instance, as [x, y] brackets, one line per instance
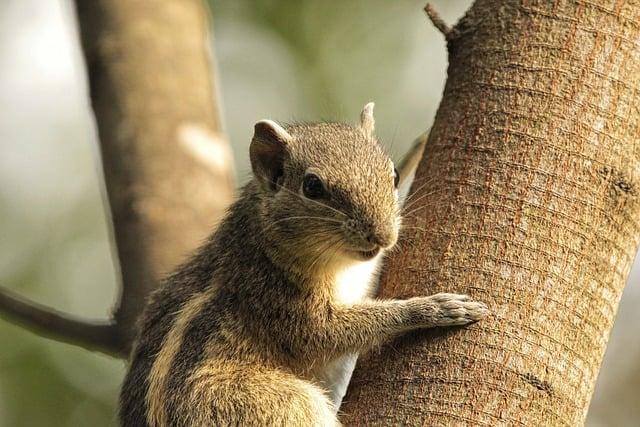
[263, 325]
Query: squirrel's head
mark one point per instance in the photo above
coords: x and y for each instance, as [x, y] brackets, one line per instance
[329, 191]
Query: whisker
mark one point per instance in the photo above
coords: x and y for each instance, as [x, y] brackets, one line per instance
[417, 190]
[413, 227]
[412, 211]
[427, 182]
[319, 236]
[314, 201]
[332, 220]
[322, 241]
[413, 202]
[336, 248]
[410, 215]
[327, 244]
[324, 218]
[320, 252]
[425, 178]
[410, 200]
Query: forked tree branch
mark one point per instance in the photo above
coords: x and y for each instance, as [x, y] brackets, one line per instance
[167, 165]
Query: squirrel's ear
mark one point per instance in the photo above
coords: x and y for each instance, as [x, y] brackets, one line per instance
[268, 151]
[367, 123]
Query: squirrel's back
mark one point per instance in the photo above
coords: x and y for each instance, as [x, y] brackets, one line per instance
[197, 342]
[165, 307]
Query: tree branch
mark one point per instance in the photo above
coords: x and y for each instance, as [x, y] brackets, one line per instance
[439, 23]
[168, 168]
[50, 323]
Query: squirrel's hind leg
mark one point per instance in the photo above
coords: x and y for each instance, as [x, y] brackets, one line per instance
[242, 395]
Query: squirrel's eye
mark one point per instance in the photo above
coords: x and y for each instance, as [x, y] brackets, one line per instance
[396, 177]
[312, 186]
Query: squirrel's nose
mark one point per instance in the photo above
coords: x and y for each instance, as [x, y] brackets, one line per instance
[379, 234]
[384, 237]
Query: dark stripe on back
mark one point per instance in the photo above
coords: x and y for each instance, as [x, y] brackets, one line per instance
[157, 320]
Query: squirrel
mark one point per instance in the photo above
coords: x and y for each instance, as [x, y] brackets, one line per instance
[262, 326]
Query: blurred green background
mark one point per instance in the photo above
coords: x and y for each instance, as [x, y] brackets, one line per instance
[287, 60]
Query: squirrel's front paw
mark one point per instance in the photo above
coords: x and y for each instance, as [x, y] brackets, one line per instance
[449, 310]
[454, 309]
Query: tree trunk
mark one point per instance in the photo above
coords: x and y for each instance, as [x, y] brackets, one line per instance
[526, 198]
[168, 168]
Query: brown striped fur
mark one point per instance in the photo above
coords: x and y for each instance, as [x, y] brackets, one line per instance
[240, 334]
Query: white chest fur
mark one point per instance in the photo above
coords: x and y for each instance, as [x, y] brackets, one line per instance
[353, 284]
[357, 281]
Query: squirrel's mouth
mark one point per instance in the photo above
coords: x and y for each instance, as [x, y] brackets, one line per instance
[366, 255]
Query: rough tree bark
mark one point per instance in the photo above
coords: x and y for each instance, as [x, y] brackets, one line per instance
[167, 166]
[526, 198]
